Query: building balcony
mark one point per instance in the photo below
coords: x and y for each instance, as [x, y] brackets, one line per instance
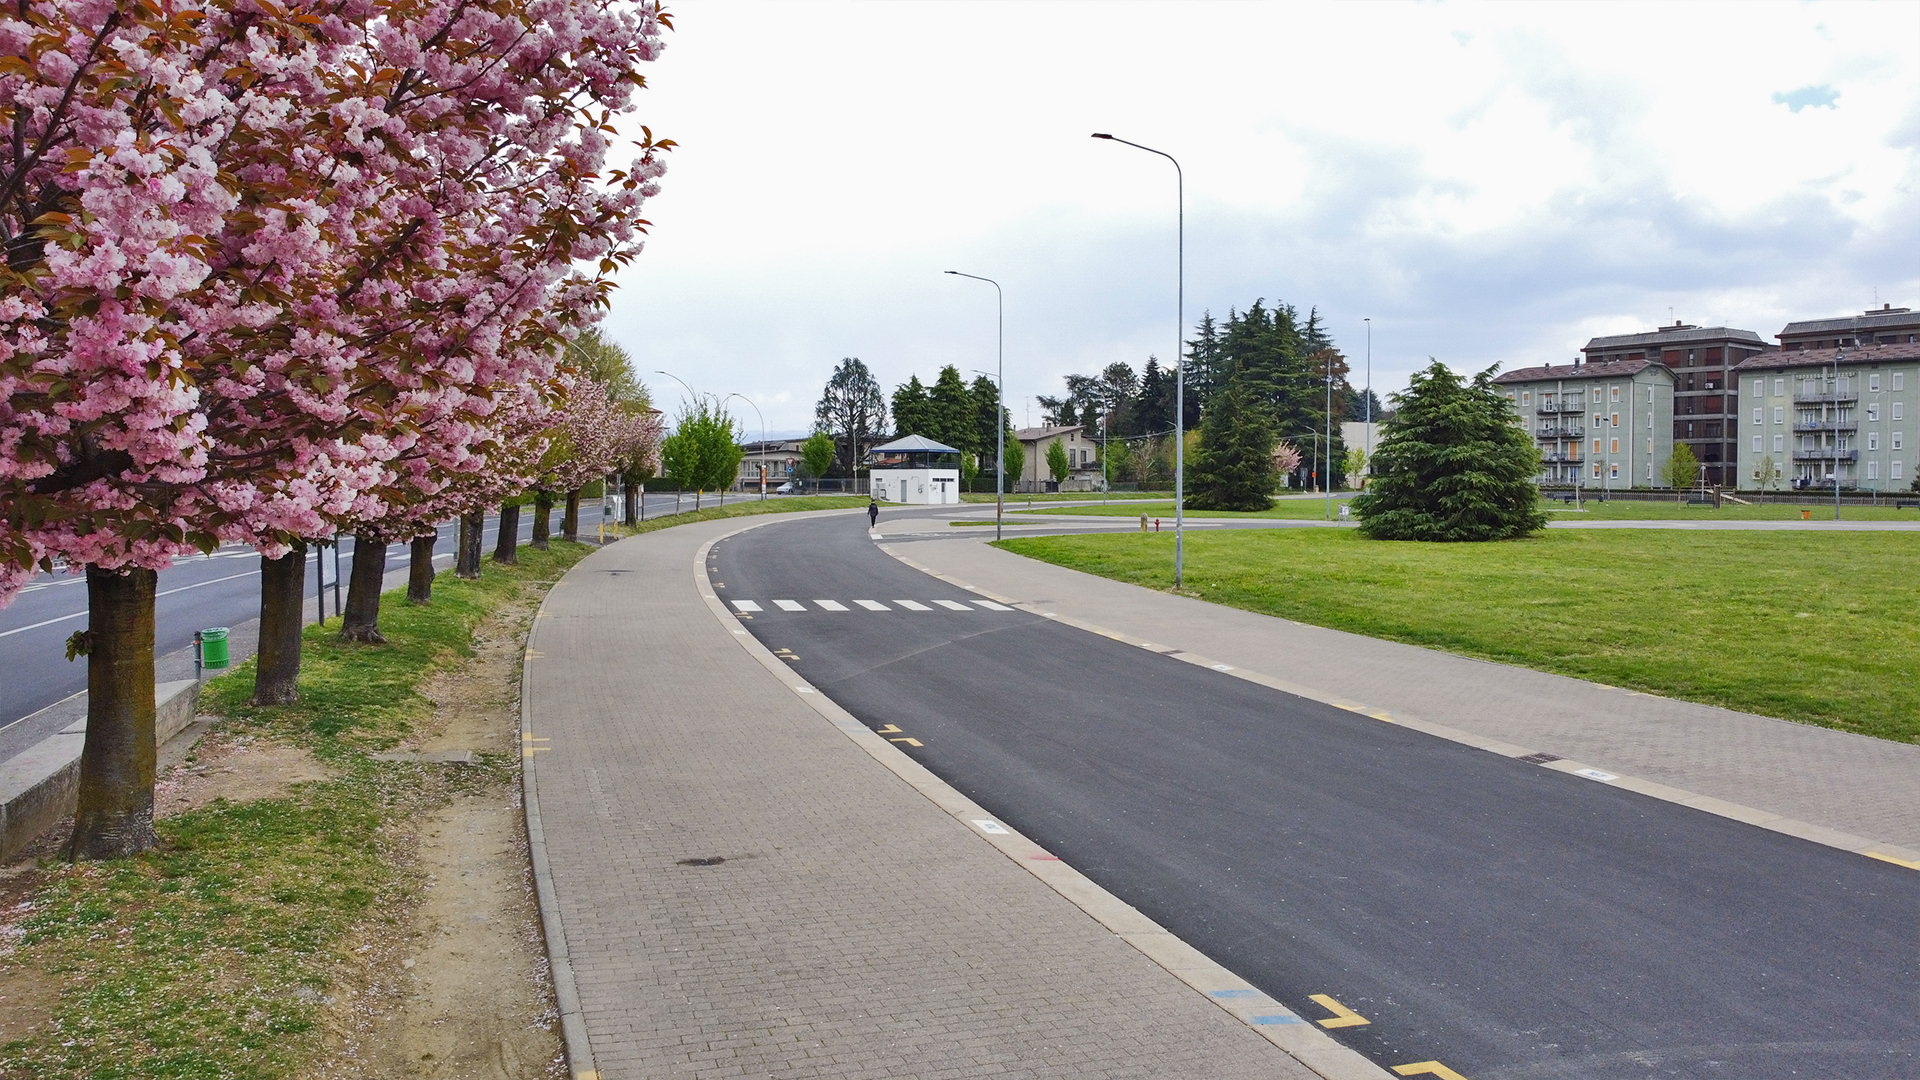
[1826, 425]
[1561, 459]
[1830, 397]
[1826, 453]
[1560, 433]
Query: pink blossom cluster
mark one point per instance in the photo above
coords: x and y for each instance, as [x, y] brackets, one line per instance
[277, 268]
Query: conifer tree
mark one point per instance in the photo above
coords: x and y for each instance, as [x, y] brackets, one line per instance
[1451, 465]
[1234, 468]
[912, 410]
[952, 411]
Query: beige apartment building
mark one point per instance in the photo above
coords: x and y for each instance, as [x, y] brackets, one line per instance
[1597, 425]
[1812, 415]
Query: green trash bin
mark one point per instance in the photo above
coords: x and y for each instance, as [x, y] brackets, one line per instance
[213, 647]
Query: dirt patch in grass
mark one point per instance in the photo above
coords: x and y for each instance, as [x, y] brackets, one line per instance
[459, 986]
[235, 768]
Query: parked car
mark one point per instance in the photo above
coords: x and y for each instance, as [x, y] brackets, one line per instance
[787, 488]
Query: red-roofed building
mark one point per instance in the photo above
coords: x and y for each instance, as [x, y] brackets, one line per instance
[1600, 426]
[1706, 409]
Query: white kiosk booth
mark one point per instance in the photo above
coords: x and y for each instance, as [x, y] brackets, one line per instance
[915, 470]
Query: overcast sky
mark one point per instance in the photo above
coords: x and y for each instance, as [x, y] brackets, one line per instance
[1489, 183]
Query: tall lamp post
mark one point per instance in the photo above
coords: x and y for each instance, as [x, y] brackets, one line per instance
[1179, 361]
[1837, 354]
[1369, 438]
[763, 438]
[1329, 477]
[1000, 411]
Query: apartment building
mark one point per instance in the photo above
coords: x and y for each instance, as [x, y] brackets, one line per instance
[1599, 425]
[1813, 414]
[1706, 408]
[1888, 325]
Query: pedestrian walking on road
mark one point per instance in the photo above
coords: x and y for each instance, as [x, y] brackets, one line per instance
[873, 512]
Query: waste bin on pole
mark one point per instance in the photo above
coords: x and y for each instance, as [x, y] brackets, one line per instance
[210, 647]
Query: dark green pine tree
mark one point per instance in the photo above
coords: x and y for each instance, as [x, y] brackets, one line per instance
[1154, 413]
[1233, 469]
[1208, 369]
[952, 410]
[1452, 465]
[984, 406]
[912, 410]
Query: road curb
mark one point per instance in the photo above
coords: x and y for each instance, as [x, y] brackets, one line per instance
[1896, 854]
[1285, 1029]
[566, 991]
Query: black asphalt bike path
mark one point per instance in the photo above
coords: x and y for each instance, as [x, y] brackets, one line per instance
[1503, 919]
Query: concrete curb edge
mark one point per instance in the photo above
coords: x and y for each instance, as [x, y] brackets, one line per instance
[566, 992]
[1288, 1031]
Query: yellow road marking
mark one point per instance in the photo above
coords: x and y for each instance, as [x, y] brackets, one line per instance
[909, 742]
[534, 738]
[529, 751]
[1428, 1068]
[890, 729]
[1342, 1016]
[535, 654]
[1897, 862]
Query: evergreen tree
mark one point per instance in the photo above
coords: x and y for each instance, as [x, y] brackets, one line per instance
[1451, 465]
[912, 409]
[1154, 414]
[852, 409]
[952, 409]
[1207, 370]
[1234, 468]
[984, 407]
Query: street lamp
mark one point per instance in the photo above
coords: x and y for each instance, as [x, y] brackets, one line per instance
[1837, 355]
[763, 439]
[1369, 436]
[1000, 406]
[1179, 363]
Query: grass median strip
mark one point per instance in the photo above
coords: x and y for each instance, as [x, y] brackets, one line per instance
[1812, 628]
[1591, 509]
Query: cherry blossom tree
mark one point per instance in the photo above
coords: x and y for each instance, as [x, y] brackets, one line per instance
[262, 260]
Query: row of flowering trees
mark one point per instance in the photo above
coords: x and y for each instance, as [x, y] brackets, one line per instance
[277, 269]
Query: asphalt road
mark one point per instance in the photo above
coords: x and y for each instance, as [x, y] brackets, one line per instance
[1505, 920]
[222, 589]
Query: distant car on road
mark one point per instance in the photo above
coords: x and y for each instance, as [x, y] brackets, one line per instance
[787, 488]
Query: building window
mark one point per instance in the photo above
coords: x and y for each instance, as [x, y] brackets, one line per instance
[1649, 472]
[1596, 395]
[1873, 383]
[1873, 412]
[1616, 393]
[1899, 410]
[1526, 397]
[1873, 470]
[1613, 471]
[1899, 380]
[1779, 387]
[1759, 388]
[1894, 470]
[1596, 446]
[1899, 437]
[1756, 444]
[1596, 471]
[1779, 443]
[1616, 446]
[1779, 415]
[1616, 419]
[1759, 416]
[1873, 440]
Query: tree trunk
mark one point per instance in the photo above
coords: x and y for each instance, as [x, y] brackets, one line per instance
[506, 549]
[570, 521]
[542, 515]
[276, 675]
[420, 570]
[466, 561]
[361, 619]
[113, 816]
[633, 505]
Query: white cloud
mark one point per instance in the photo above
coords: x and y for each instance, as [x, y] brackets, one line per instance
[1488, 182]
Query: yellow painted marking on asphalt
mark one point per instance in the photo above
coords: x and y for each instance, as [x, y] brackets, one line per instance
[534, 738]
[529, 751]
[1342, 1016]
[890, 729]
[909, 742]
[1897, 862]
[535, 654]
[1428, 1068]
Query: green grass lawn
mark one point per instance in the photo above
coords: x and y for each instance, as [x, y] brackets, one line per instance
[1056, 496]
[1590, 510]
[1818, 628]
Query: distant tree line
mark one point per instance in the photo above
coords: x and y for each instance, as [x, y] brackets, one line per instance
[854, 413]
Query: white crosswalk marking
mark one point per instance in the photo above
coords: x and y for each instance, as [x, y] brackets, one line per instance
[953, 605]
[745, 605]
[873, 605]
[991, 606]
[831, 605]
[913, 605]
[789, 605]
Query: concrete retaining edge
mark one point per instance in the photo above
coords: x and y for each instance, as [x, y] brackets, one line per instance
[38, 788]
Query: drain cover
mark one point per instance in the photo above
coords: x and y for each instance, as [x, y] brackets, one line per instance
[1541, 758]
[707, 860]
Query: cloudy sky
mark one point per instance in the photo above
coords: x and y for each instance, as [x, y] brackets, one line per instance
[1489, 183]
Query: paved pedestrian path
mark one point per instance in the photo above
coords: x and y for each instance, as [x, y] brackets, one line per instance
[734, 883]
[1834, 787]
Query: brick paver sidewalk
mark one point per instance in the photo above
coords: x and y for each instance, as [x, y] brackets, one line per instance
[855, 929]
[1866, 788]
